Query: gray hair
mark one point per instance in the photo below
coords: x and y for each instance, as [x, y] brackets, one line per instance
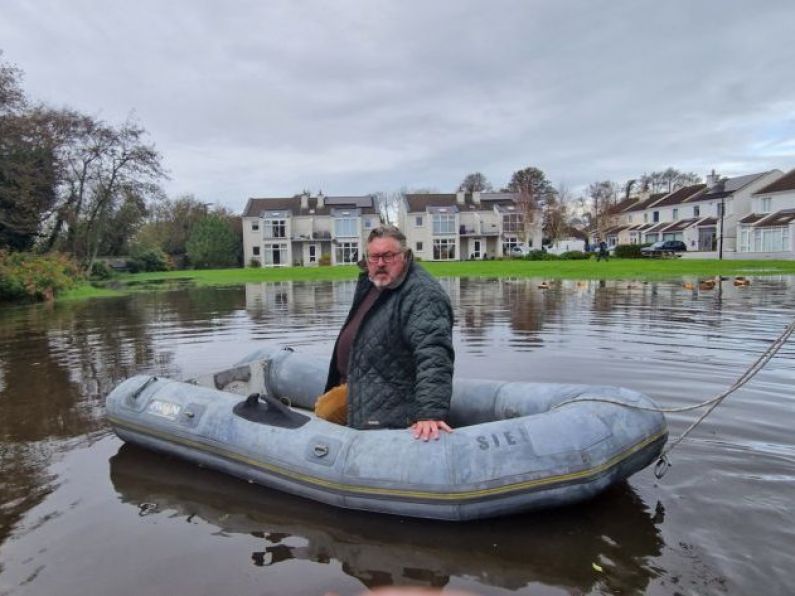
[388, 231]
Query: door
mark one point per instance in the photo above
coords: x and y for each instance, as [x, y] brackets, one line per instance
[476, 249]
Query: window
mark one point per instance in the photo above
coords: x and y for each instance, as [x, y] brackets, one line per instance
[418, 221]
[419, 246]
[254, 226]
[508, 244]
[443, 224]
[312, 253]
[651, 237]
[345, 227]
[696, 211]
[368, 223]
[275, 254]
[347, 252]
[771, 239]
[629, 219]
[256, 251]
[444, 249]
[512, 223]
[719, 209]
[655, 216]
[675, 213]
[765, 204]
[730, 207]
[275, 228]
[645, 218]
[745, 240]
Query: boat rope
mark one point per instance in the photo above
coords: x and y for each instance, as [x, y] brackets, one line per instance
[663, 464]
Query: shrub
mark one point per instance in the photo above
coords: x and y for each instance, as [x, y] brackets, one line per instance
[212, 244]
[629, 251]
[255, 263]
[147, 258]
[574, 255]
[28, 276]
[540, 255]
[324, 260]
[100, 270]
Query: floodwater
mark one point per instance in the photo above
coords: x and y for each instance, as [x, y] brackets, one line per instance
[81, 513]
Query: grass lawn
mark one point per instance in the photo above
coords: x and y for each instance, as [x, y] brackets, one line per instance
[636, 269]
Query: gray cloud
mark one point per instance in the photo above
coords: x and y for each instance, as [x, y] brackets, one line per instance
[267, 98]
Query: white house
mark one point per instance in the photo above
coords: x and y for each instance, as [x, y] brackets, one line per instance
[303, 230]
[768, 232]
[461, 226]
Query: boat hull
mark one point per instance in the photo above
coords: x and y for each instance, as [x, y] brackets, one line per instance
[516, 446]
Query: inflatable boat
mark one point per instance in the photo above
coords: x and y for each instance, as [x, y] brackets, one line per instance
[516, 446]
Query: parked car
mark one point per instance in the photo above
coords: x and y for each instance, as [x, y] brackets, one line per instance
[519, 250]
[664, 248]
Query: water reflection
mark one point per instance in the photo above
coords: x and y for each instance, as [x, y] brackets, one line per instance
[673, 340]
[616, 531]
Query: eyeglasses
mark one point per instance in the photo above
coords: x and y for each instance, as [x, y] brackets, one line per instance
[388, 257]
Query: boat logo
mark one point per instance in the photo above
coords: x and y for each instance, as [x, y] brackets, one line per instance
[505, 438]
[164, 409]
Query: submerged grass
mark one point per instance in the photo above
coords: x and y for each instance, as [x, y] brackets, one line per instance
[637, 269]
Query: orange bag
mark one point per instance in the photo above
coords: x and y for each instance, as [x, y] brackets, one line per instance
[333, 405]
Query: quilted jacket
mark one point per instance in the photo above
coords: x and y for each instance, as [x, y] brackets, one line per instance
[400, 369]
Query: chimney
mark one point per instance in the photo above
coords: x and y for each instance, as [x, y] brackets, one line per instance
[304, 200]
[459, 197]
[712, 179]
[476, 197]
[321, 199]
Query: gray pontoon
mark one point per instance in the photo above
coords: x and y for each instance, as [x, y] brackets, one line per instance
[516, 446]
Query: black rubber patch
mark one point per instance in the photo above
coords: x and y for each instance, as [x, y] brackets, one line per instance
[264, 409]
[241, 373]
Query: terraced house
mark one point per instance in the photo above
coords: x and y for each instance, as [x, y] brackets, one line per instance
[721, 218]
[461, 226]
[306, 230]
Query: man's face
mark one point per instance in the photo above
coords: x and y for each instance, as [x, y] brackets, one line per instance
[385, 261]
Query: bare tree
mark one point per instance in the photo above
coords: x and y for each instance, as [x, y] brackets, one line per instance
[475, 182]
[668, 180]
[603, 195]
[534, 191]
[556, 214]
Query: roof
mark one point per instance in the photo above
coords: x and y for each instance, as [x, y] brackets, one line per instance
[681, 195]
[422, 202]
[708, 221]
[682, 224]
[623, 204]
[256, 206]
[779, 218]
[786, 182]
[727, 187]
[615, 230]
[659, 227]
[643, 203]
[751, 218]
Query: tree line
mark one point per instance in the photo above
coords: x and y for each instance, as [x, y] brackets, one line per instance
[74, 184]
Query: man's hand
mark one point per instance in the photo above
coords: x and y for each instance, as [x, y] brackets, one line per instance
[429, 429]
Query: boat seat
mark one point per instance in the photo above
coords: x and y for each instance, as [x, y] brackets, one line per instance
[264, 409]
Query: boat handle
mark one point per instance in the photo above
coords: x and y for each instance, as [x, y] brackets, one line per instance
[320, 450]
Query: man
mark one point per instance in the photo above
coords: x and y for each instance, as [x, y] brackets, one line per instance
[395, 350]
[603, 252]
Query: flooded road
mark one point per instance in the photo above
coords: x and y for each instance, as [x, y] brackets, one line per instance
[80, 513]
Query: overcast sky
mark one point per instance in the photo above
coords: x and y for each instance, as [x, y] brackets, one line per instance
[266, 98]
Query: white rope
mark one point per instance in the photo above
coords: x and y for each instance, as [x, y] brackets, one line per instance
[712, 403]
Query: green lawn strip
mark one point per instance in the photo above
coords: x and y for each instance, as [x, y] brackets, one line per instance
[637, 269]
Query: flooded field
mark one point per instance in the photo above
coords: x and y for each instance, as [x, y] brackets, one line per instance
[81, 513]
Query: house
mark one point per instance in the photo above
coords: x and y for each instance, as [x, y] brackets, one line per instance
[768, 231]
[704, 216]
[461, 226]
[302, 230]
